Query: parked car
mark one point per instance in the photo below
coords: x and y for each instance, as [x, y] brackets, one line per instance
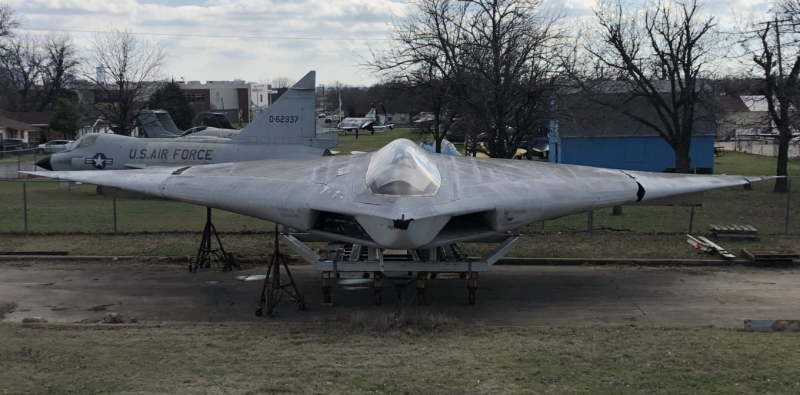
[13, 144]
[53, 146]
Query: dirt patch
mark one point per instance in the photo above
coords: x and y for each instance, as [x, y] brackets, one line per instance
[7, 308]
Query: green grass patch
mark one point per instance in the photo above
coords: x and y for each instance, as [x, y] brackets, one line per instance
[614, 245]
[338, 357]
[372, 142]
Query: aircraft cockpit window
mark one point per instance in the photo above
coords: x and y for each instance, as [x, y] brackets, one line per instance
[83, 142]
[403, 169]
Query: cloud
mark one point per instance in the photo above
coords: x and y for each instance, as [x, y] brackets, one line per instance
[289, 37]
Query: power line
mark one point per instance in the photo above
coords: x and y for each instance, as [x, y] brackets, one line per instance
[210, 36]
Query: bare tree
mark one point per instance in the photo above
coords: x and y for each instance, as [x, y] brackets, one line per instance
[510, 49]
[493, 57]
[21, 63]
[669, 41]
[8, 21]
[125, 71]
[423, 60]
[774, 47]
[60, 60]
[282, 82]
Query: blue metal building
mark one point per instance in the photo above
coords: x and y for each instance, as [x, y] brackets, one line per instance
[591, 134]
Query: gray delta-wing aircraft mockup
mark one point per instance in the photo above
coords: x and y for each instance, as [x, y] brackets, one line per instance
[287, 129]
[402, 209]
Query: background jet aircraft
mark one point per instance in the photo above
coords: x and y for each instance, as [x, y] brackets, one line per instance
[158, 124]
[372, 121]
[285, 130]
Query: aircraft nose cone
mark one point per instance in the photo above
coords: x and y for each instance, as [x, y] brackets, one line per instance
[44, 163]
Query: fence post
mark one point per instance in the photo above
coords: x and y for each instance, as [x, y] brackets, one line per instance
[25, 204]
[590, 220]
[19, 164]
[788, 201]
[114, 202]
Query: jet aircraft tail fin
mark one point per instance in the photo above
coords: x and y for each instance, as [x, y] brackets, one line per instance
[290, 120]
[157, 124]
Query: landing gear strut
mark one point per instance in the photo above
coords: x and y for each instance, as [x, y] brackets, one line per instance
[273, 289]
[206, 253]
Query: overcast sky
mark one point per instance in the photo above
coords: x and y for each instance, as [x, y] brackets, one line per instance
[290, 37]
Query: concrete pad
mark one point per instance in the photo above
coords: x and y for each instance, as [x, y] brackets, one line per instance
[507, 295]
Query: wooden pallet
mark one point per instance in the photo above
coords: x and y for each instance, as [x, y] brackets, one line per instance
[771, 256]
[734, 232]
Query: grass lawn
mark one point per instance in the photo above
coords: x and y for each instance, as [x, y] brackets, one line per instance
[612, 245]
[365, 355]
[372, 142]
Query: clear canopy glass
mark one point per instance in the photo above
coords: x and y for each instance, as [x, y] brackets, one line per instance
[403, 169]
[83, 142]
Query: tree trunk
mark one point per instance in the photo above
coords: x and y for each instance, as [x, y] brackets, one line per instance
[782, 184]
[683, 162]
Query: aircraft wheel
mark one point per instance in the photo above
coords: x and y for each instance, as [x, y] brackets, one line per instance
[421, 297]
[391, 127]
[190, 268]
[326, 296]
[302, 306]
[259, 312]
[472, 297]
[378, 297]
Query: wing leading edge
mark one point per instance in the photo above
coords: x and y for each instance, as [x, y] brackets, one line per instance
[477, 196]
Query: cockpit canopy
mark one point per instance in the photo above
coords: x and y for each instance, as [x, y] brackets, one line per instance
[403, 169]
[83, 142]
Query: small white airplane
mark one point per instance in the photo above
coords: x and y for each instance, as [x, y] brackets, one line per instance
[372, 122]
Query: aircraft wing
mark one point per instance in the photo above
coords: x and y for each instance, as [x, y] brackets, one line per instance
[402, 196]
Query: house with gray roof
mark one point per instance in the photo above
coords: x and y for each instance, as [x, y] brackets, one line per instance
[598, 131]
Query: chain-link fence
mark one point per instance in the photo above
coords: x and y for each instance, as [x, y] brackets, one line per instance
[14, 161]
[49, 206]
[759, 207]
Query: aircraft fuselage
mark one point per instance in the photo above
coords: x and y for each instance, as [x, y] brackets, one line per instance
[113, 152]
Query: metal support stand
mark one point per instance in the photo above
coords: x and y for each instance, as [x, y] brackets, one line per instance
[377, 287]
[206, 253]
[400, 284]
[421, 277]
[273, 289]
[691, 220]
[472, 287]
